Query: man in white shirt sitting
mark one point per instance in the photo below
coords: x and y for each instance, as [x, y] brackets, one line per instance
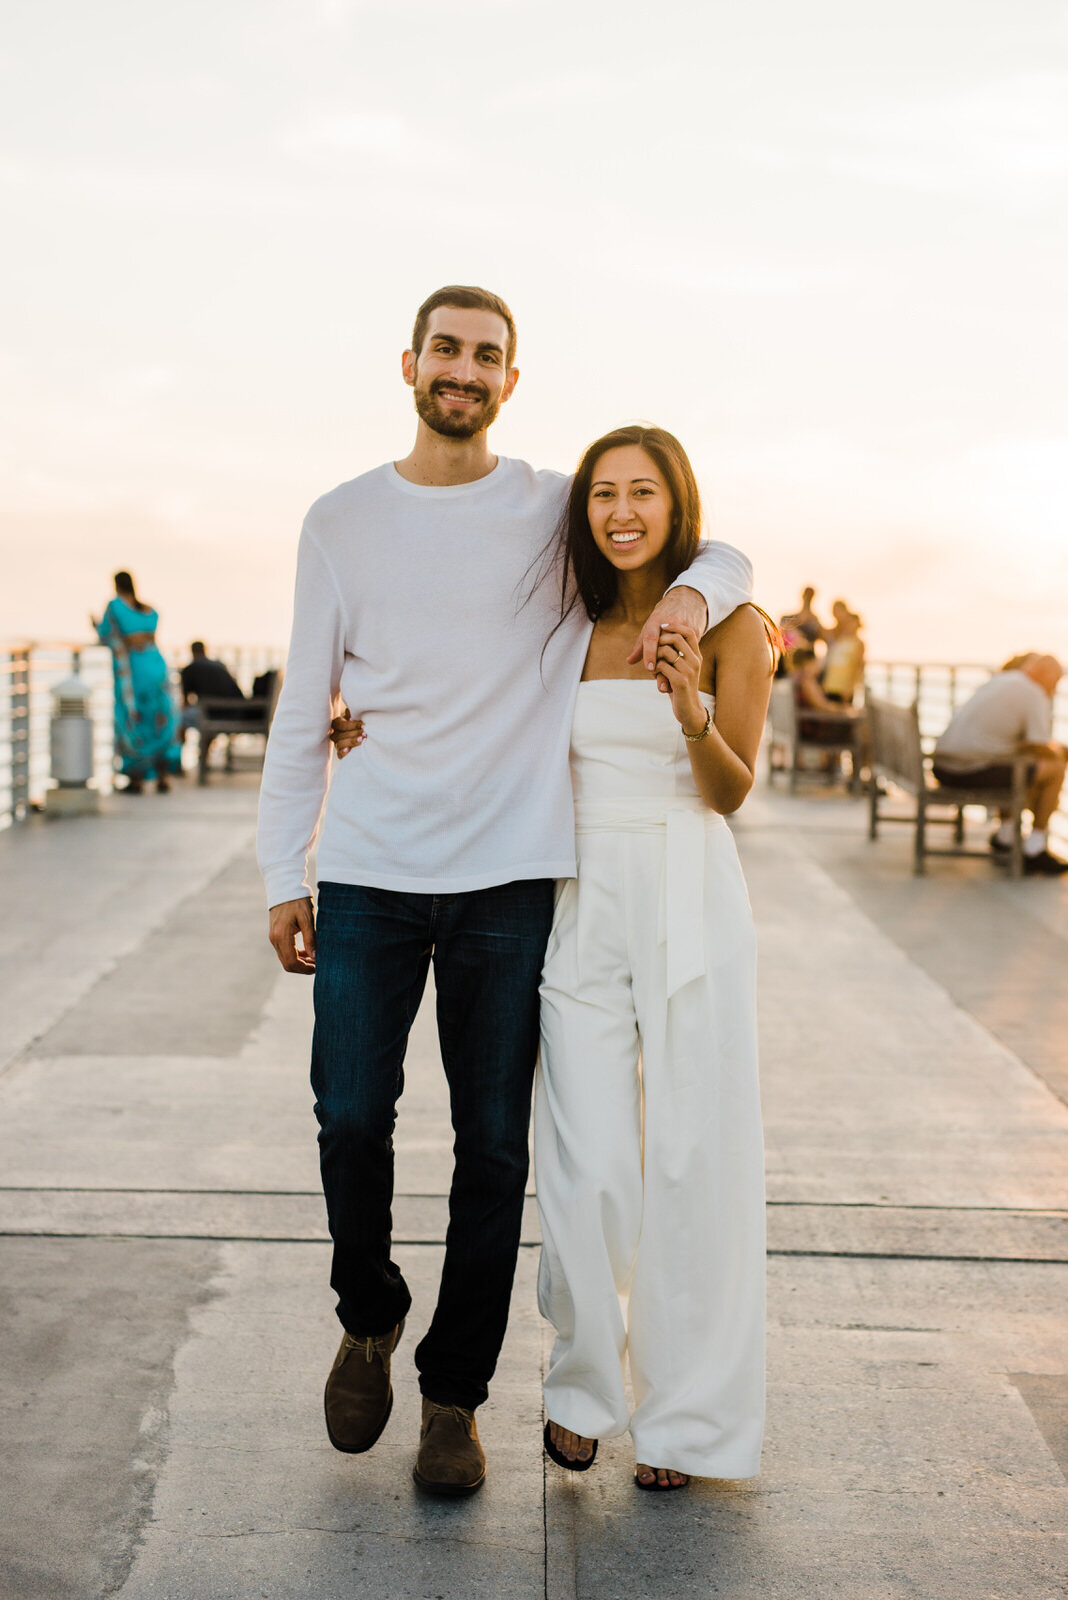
[441, 839]
[1009, 715]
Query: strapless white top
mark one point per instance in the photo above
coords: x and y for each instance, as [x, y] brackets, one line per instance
[630, 772]
[627, 747]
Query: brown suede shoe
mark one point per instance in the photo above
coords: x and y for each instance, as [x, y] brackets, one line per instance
[451, 1460]
[359, 1395]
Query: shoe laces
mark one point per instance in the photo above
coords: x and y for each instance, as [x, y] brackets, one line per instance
[458, 1413]
[374, 1345]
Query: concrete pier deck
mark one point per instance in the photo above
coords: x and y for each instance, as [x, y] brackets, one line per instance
[166, 1321]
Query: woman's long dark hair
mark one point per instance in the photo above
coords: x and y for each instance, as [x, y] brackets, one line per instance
[589, 577]
[124, 586]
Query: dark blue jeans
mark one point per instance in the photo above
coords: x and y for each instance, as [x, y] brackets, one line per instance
[373, 951]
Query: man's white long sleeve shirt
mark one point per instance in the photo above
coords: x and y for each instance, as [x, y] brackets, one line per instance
[418, 608]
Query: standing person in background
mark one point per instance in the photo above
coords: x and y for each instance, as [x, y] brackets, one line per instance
[441, 838]
[843, 665]
[1009, 715]
[799, 629]
[805, 622]
[144, 716]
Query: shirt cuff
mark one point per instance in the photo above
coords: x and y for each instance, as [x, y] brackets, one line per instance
[285, 883]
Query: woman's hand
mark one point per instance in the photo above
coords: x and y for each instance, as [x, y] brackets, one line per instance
[679, 661]
[682, 607]
[346, 732]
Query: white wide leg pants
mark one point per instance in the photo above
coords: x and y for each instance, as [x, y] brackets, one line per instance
[648, 1151]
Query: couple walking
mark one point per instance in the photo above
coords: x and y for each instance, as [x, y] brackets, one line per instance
[546, 737]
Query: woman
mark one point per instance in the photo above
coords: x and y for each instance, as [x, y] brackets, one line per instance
[843, 664]
[145, 722]
[809, 697]
[647, 1137]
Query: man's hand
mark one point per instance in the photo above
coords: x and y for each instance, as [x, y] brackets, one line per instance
[681, 608]
[286, 921]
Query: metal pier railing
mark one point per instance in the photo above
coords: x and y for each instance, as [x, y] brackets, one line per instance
[28, 673]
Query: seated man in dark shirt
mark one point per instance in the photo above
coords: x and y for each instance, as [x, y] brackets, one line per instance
[203, 676]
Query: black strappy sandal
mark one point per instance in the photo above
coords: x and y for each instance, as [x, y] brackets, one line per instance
[561, 1460]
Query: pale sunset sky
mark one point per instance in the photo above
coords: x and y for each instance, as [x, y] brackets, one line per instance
[823, 241]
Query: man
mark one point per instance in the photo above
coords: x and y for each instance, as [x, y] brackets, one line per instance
[805, 622]
[799, 629]
[205, 676]
[1010, 715]
[201, 678]
[415, 604]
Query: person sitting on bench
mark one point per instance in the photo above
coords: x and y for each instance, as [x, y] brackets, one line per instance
[809, 696]
[1009, 715]
[204, 676]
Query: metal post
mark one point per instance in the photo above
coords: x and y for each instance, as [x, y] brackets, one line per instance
[20, 734]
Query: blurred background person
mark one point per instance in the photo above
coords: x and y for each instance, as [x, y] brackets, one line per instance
[809, 696]
[203, 675]
[805, 622]
[145, 724]
[843, 664]
[1009, 715]
[799, 628]
[206, 678]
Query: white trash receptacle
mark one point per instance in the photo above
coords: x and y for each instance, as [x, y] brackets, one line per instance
[72, 750]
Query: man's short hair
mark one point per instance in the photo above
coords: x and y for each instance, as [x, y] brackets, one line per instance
[197, 647]
[467, 298]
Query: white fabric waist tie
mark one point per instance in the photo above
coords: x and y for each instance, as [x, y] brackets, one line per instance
[684, 824]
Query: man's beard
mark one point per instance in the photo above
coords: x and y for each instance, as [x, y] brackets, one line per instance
[455, 424]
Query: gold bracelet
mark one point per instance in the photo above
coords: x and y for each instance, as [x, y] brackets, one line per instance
[695, 738]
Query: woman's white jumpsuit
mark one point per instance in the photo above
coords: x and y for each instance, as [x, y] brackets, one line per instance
[647, 1136]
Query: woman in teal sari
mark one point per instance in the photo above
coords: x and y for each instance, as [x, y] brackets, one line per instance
[145, 719]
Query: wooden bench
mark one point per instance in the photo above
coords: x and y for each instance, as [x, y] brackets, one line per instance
[785, 738]
[224, 716]
[896, 757]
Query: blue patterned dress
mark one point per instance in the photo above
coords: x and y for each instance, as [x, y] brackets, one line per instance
[145, 717]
